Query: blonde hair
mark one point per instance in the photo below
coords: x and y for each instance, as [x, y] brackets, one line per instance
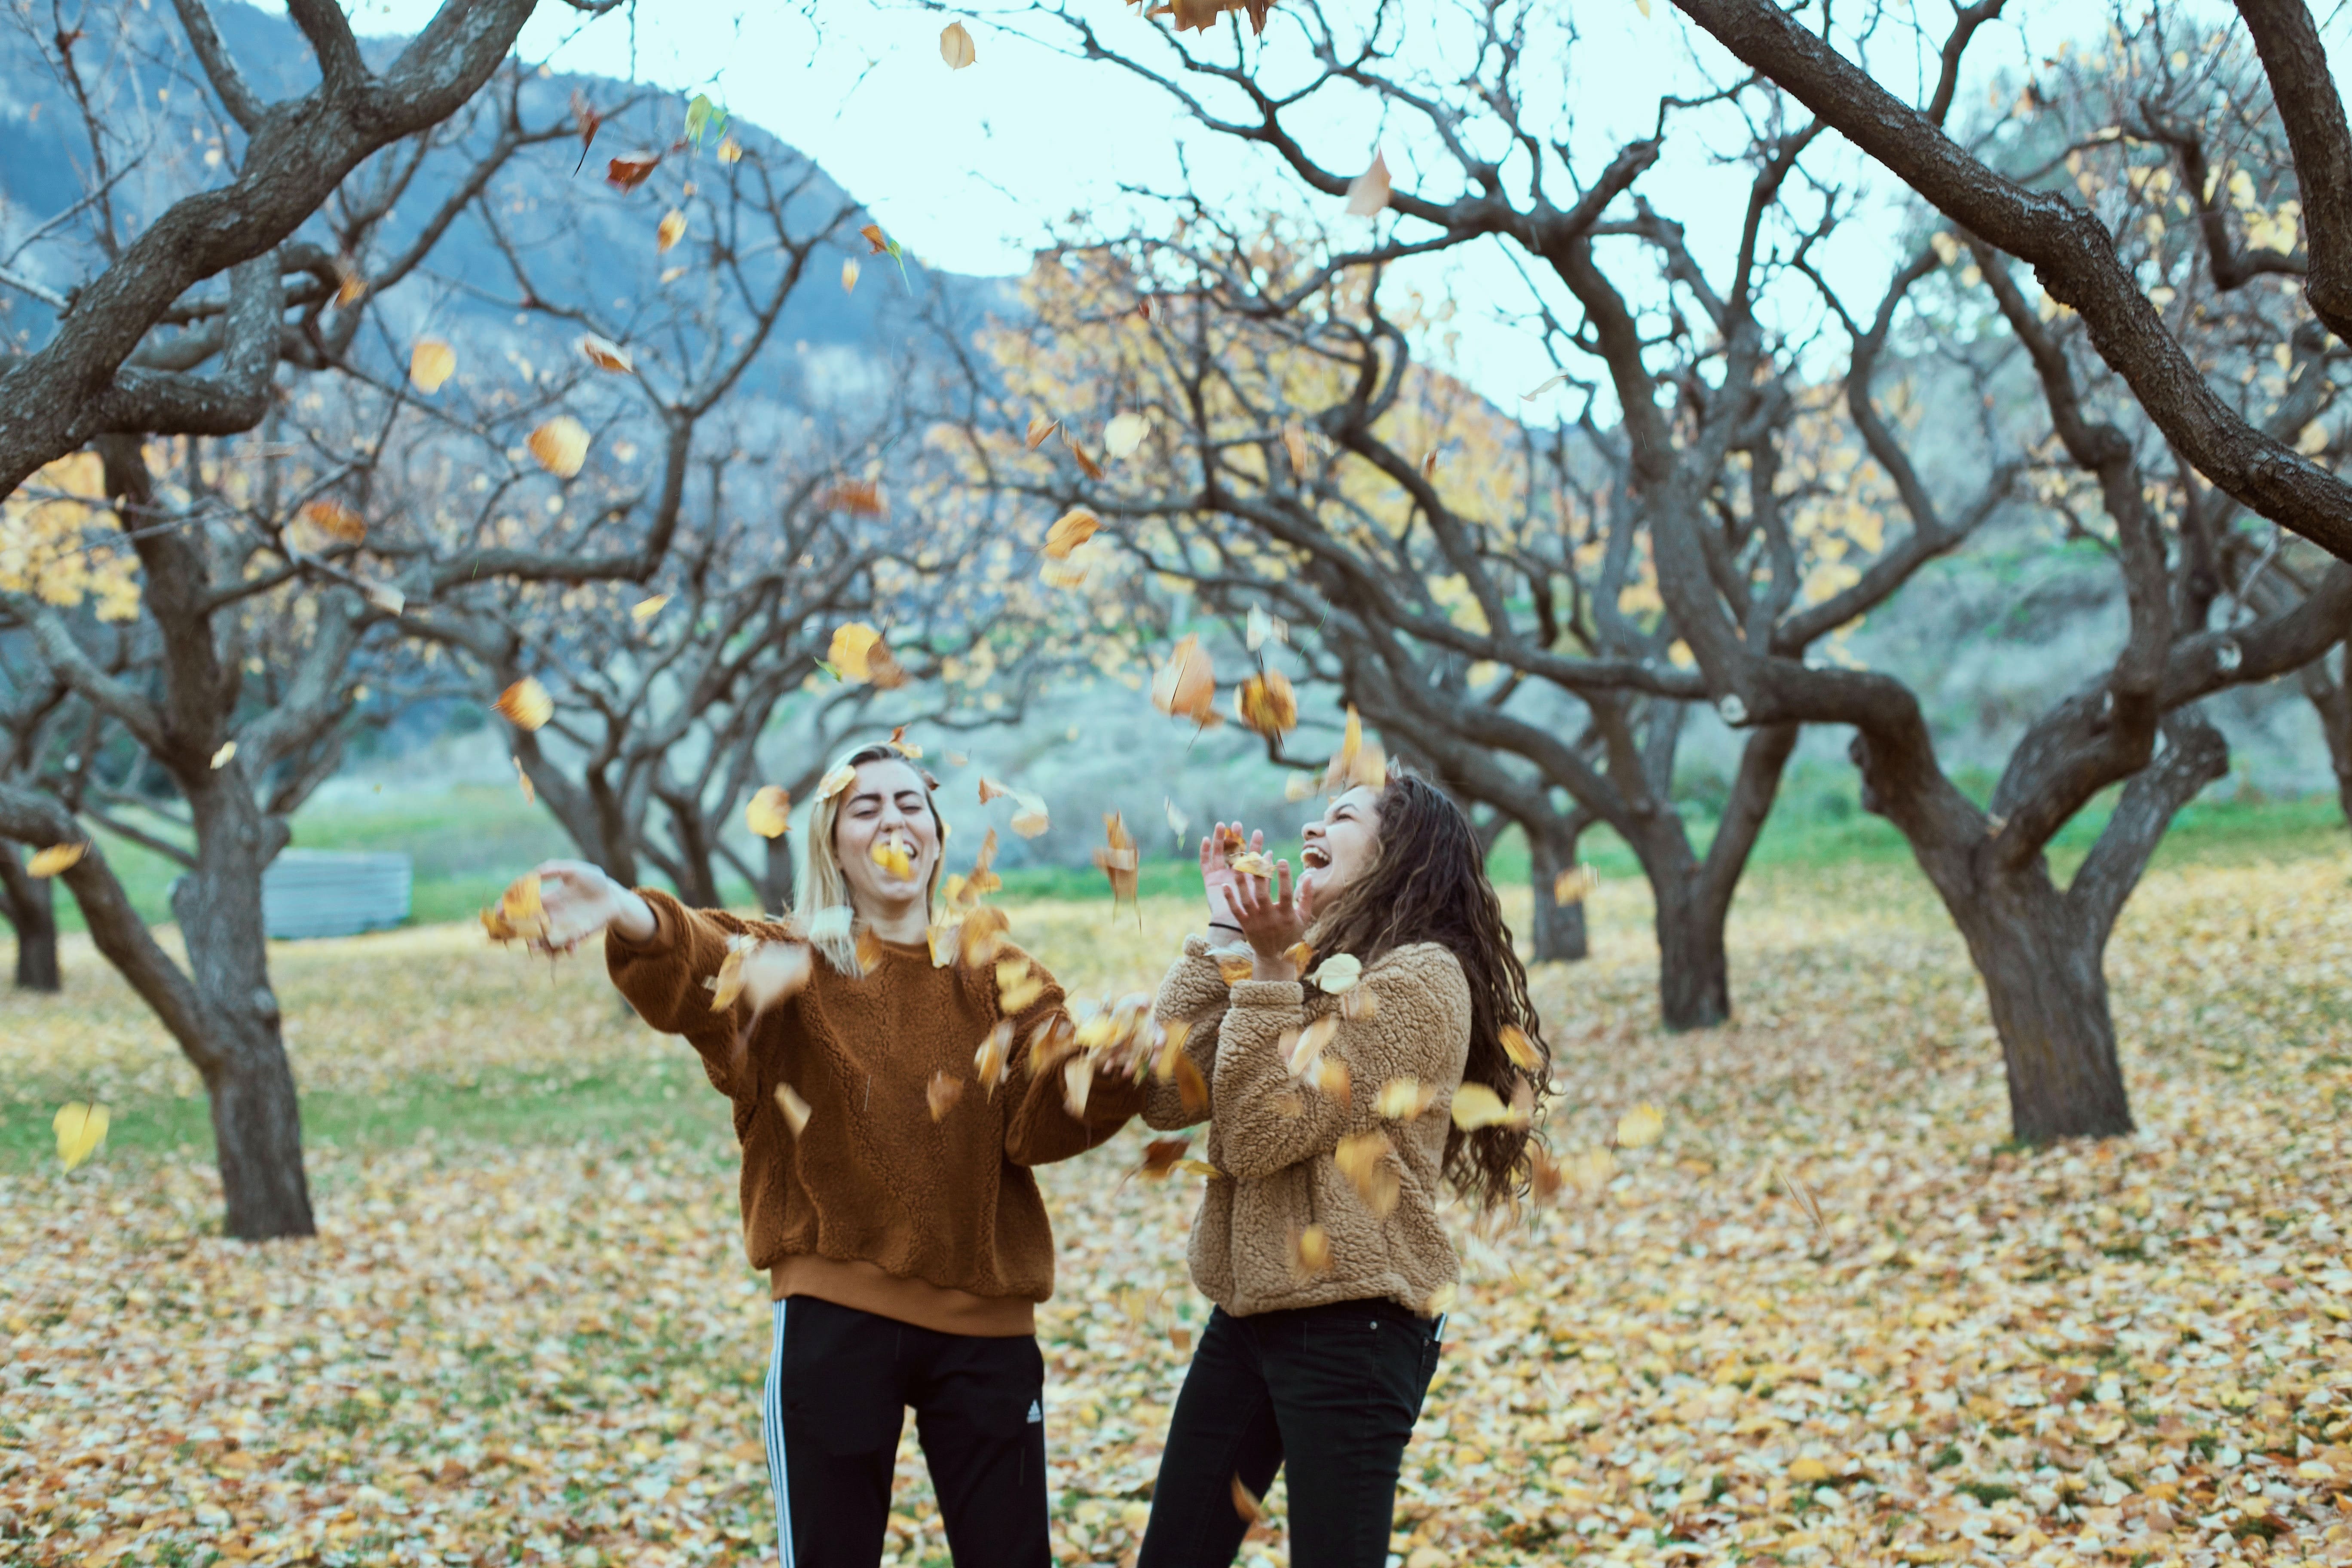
[821, 886]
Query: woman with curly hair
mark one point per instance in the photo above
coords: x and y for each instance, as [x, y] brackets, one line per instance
[1328, 1087]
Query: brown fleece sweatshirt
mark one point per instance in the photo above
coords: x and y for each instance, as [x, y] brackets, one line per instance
[1274, 1140]
[873, 1205]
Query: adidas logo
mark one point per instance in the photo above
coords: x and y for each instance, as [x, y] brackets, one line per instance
[1035, 1413]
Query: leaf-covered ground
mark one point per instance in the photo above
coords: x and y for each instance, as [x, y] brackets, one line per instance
[526, 1331]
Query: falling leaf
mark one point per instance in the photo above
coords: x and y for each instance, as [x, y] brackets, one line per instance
[1364, 1158]
[222, 757]
[1178, 822]
[1039, 429]
[1440, 1301]
[1545, 386]
[1332, 1080]
[1360, 762]
[1404, 1098]
[1338, 974]
[1077, 1084]
[1804, 1199]
[1086, 465]
[1234, 969]
[1309, 1042]
[335, 520]
[945, 1090]
[1198, 1167]
[385, 597]
[1172, 1050]
[605, 354]
[893, 856]
[1191, 1087]
[1643, 6]
[957, 759]
[1069, 531]
[831, 923]
[859, 497]
[519, 915]
[727, 984]
[1640, 1127]
[1124, 433]
[526, 703]
[729, 150]
[1573, 885]
[983, 935]
[1520, 1049]
[1368, 192]
[669, 231]
[702, 118]
[903, 746]
[430, 363]
[1017, 986]
[1159, 1157]
[1293, 442]
[630, 170]
[1361, 1002]
[874, 237]
[955, 46]
[351, 285]
[1261, 628]
[1299, 786]
[990, 789]
[1245, 1503]
[587, 116]
[561, 445]
[869, 949]
[987, 1062]
[1117, 858]
[522, 779]
[1031, 819]
[1266, 705]
[1186, 684]
[1476, 1106]
[645, 610]
[1252, 863]
[1310, 1251]
[849, 271]
[834, 781]
[796, 1109]
[80, 1129]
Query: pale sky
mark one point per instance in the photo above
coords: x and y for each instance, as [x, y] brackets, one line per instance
[968, 169]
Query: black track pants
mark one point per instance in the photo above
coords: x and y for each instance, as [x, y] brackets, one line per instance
[1327, 1393]
[839, 1382]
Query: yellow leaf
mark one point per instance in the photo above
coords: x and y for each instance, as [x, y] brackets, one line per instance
[605, 354]
[1311, 1043]
[1031, 819]
[525, 704]
[849, 275]
[1642, 5]
[1369, 192]
[1234, 969]
[858, 653]
[1069, 531]
[1364, 1158]
[1117, 859]
[1294, 443]
[796, 1109]
[1808, 1471]
[1191, 1090]
[430, 363]
[1520, 1049]
[1299, 786]
[834, 782]
[1039, 429]
[729, 150]
[645, 610]
[80, 1129]
[1186, 686]
[995, 1050]
[1251, 863]
[1476, 1106]
[1017, 986]
[1640, 1127]
[333, 519]
[893, 856]
[1403, 1098]
[1573, 885]
[522, 779]
[955, 46]
[671, 229]
[1338, 974]
[945, 1090]
[561, 445]
[221, 758]
[1266, 704]
[1310, 1250]
[1124, 433]
[768, 813]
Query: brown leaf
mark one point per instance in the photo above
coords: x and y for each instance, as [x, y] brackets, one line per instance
[1159, 1157]
[630, 170]
[987, 1062]
[1039, 429]
[1192, 1088]
[1368, 192]
[1117, 859]
[1186, 684]
[1069, 531]
[525, 704]
[1266, 705]
[605, 354]
[1245, 1503]
[873, 235]
[1086, 465]
[333, 519]
[945, 1090]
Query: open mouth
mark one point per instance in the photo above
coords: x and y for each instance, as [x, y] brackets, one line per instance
[1314, 858]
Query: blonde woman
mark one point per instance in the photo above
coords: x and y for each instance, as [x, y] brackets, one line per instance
[886, 1193]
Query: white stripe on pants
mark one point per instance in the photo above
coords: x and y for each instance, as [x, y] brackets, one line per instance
[772, 1427]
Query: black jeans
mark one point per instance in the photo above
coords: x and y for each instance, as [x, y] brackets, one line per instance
[839, 1382]
[1330, 1394]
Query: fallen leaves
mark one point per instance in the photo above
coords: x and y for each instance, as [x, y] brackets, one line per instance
[525, 704]
[561, 445]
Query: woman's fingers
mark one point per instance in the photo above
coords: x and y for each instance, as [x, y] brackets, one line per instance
[1282, 882]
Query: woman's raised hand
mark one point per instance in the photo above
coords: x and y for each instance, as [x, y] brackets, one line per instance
[580, 900]
[1271, 922]
[1217, 873]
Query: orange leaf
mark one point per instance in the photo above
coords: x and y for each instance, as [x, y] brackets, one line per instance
[630, 170]
[605, 354]
[561, 445]
[1266, 704]
[335, 520]
[944, 1091]
[1186, 686]
[671, 229]
[431, 363]
[526, 703]
[1069, 531]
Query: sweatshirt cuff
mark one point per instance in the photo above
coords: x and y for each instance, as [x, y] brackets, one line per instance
[664, 938]
[1269, 993]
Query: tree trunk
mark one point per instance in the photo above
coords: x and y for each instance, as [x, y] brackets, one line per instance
[30, 905]
[1559, 931]
[257, 1117]
[1694, 970]
[2043, 973]
[776, 875]
[2331, 700]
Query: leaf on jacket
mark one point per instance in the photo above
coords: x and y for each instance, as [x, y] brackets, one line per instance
[1476, 1106]
[870, 951]
[1641, 1127]
[945, 1090]
[1338, 974]
[80, 1129]
[1234, 969]
[1017, 985]
[1521, 1050]
[1307, 1046]
[1192, 1088]
[526, 703]
[1245, 1503]
[1077, 1082]
[796, 1109]
[1404, 1098]
[1330, 1076]
[1161, 1156]
[57, 858]
[1364, 1159]
[995, 1050]
[1310, 1250]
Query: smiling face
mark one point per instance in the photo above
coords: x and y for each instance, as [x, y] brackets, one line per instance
[889, 807]
[1339, 847]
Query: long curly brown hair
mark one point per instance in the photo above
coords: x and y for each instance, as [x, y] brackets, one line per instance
[1427, 882]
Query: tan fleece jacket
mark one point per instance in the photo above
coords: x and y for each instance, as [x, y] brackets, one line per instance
[875, 1205]
[1274, 1140]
